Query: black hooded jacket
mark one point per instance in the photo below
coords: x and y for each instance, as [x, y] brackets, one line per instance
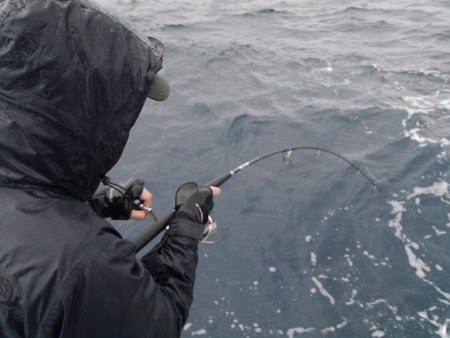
[73, 80]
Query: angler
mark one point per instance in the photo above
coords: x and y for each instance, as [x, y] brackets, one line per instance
[73, 81]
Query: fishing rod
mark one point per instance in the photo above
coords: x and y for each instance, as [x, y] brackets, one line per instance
[157, 227]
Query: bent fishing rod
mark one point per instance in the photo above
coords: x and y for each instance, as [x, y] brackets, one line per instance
[158, 226]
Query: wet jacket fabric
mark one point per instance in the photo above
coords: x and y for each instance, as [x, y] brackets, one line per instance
[73, 80]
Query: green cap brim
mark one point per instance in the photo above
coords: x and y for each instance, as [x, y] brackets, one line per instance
[160, 89]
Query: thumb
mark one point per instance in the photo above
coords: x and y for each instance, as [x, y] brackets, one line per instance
[215, 191]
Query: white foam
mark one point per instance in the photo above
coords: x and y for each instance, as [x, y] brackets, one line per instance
[368, 255]
[313, 259]
[439, 232]
[425, 104]
[272, 269]
[438, 189]
[327, 69]
[441, 328]
[442, 331]
[438, 289]
[308, 238]
[328, 329]
[416, 263]
[394, 309]
[352, 298]
[200, 332]
[349, 260]
[334, 328]
[397, 210]
[323, 291]
[300, 330]
[378, 333]
[341, 324]
[415, 135]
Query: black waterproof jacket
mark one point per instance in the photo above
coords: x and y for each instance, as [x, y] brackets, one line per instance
[72, 83]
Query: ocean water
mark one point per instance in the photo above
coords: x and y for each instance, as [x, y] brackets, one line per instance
[308, 249]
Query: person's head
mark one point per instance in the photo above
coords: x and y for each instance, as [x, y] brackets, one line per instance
[73, 81]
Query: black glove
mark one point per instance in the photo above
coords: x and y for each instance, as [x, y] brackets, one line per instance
[193, 203]
[118, 202]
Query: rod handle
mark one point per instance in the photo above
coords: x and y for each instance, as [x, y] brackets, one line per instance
[218, 181]
[152, 231]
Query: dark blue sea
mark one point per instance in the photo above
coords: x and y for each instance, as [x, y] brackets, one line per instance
[308, 249]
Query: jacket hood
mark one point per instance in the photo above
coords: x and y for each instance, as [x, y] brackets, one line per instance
[73, 80]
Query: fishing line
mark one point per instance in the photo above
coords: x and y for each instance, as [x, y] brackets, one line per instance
[155, 228]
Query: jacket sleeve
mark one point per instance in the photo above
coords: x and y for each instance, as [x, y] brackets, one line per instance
[118, 295]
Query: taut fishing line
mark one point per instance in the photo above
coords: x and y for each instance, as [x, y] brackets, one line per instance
[158, 226]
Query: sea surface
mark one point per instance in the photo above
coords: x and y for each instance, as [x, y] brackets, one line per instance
[308, 248]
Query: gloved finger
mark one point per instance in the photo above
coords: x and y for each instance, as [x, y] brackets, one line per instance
[134, 187]
[205, 194]
[215, 191]
[205, 201]
[184, 192]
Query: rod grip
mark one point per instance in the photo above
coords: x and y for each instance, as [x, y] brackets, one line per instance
[152, 231]
[218, 181]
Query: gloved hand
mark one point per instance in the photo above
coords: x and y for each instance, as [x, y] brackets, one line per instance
[117, 203]
[193, 203]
